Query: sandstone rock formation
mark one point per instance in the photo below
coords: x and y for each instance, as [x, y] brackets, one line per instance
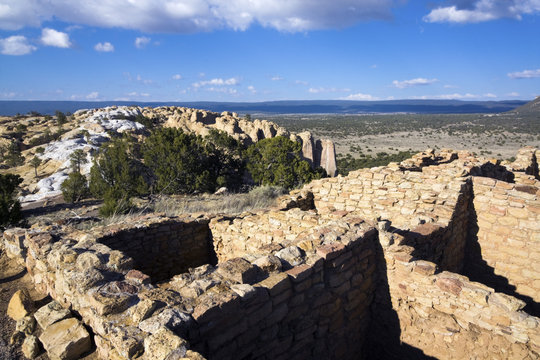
[66, 340]
[317, 152]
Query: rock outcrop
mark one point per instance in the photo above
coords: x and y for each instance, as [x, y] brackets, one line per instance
[316, 152]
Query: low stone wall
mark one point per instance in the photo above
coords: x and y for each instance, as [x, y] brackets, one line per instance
[163, 249]
[444, 315]
[319, 309]
[505, 239]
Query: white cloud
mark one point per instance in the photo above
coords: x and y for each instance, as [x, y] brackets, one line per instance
[252, 89]
[139, 78]
[177, 77]
[450, 86]
[301, 82]
[475, 11]
[93, 95]
[513, 94]
[490, 95]
[51, 37]
[226, 90]
[276, 78]
[455, 96]
[413, 82]
[217, 82]
[360, 96]
[7, 95]
[104, 47]
[525, 74]
[189, 16]
[141, 42]
[326, 90]
[16, 45]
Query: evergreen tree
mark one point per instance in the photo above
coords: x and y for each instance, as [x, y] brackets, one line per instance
[10, 208]
[115, 176]
[278, 161]
[35, 162]
[181, 163]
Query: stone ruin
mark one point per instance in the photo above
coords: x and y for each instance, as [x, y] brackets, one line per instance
[435, 257]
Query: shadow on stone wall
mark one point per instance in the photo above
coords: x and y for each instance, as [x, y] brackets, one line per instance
[477, 269]
[383, 340]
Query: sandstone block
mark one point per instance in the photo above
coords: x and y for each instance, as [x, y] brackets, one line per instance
[26, 325]
[66, 340]
[164, 345]
[51, 313]
[168, 318]
[238, 270]
[20, 305]
[31, 347]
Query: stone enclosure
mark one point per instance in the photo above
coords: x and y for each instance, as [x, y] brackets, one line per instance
[435, 257]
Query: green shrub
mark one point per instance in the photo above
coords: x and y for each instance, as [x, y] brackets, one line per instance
[75, 187]
[116, 176]
[11, 155]
[186, 163]
[10, 208]
[278, 161]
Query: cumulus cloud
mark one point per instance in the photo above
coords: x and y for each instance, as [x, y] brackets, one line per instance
[195, 15]
[526, 74]
[51, 37]
[177, 77]
[104, 47]
[490, 95]
[252, 89]
[475, 11]
[16, 45]
[141, 42]
[513, 94]
[276, 78]
[360, 96]
[216, 82]
[413, 82]
[93, 95]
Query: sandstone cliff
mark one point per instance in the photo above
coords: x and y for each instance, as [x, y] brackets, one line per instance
[317, 152]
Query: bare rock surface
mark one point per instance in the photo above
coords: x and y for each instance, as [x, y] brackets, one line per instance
[66, 340]
[50, 314]
[20, 305]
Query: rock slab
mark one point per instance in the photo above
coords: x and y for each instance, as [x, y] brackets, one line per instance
[66, 340]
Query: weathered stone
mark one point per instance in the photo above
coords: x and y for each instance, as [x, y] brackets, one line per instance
[51, 313]
[238, 270]
[143, 310]
[31, 347]
[268, 263]
[26, 325]
[163, 344]
[20, 305]
[66, 340]
[170, 318]
[290, 256]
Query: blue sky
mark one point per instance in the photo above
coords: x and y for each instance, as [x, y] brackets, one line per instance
[257, 50]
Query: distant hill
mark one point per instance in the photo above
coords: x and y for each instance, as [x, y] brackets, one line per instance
[530, 108]
[10, 108]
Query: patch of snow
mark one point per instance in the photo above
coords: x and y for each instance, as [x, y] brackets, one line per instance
[50, 186]
[110, 119]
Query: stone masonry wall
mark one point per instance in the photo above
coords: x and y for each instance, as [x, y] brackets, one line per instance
[318, 309]
[445, 315]
[506, 239]
[163, 249]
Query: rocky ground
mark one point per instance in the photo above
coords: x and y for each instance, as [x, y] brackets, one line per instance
[14, 277]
